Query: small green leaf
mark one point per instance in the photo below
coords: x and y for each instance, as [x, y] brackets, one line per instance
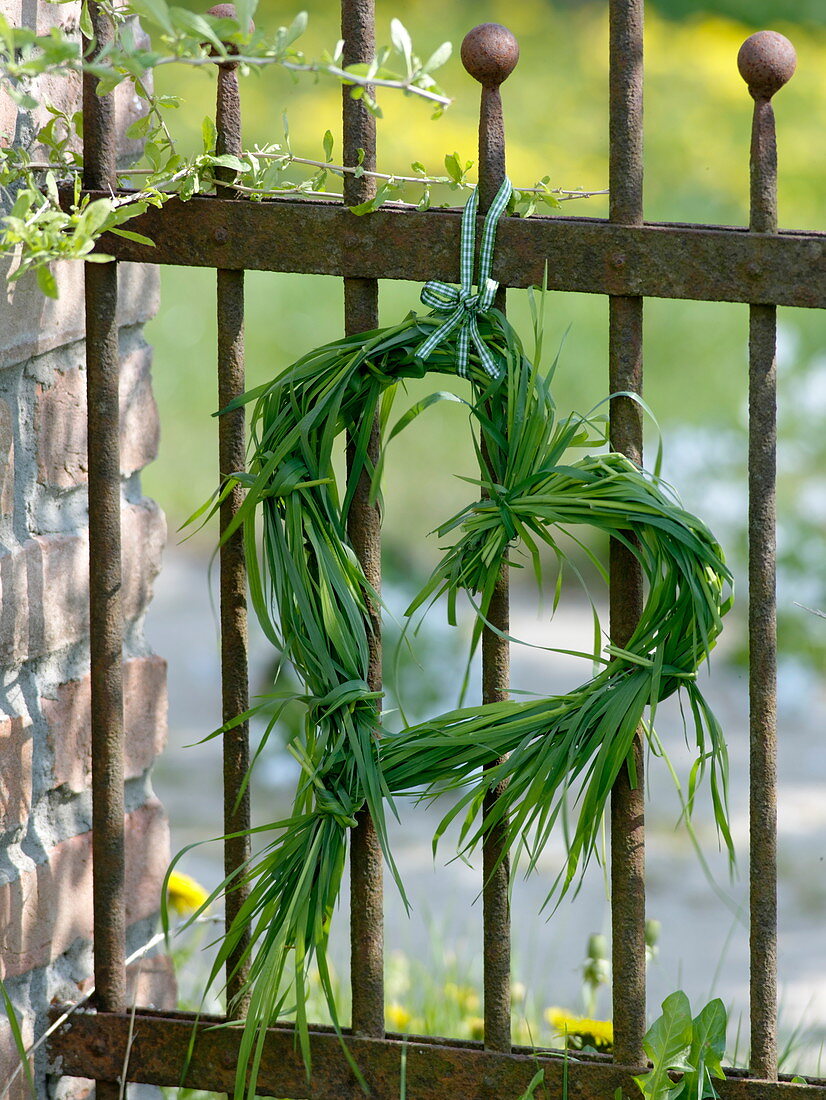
[454, 167]
[86, 28]
[536, 1081]
[92, 219]
[328, 145]
[297, 28]
[138, 238]
[209, 134]
[139, 127]
[708, 1045]
[667, 1044]
[226, 160]
[22, 99]
[438, 57]
[401, 40]
[47, 282]
[156, 11]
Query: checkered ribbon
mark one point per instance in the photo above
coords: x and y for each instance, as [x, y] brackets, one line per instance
[460, 303]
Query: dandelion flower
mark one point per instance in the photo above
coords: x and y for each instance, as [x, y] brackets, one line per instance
[397, 1017]
[184, 894]
[581, 1031]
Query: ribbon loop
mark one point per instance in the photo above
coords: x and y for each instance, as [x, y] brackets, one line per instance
[462, 304]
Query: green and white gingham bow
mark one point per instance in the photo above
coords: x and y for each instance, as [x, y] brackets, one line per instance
[462, 305]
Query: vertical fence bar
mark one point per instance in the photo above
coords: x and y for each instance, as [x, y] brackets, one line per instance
[625, 374]
[490, 53]
[233, 567]
[105, 611]
[766, 62]
[361, 313]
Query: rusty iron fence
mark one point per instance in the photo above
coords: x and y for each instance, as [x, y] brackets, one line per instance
[622, 257]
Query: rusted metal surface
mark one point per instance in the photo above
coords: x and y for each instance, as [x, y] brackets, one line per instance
[105, 580]
[766, 61]
[626, 587]
[99, 134]
[361, 313]
[433, 1068]
[627, 798]
[233, 569]
[701, 263]
[490, 53]
[625, 22]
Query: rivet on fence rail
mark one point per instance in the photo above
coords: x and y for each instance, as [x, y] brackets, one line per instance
[233, 570]
[625, 375]
[766, 62]
[361, 313]
[490, 53]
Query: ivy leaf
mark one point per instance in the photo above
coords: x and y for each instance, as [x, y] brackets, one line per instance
[708, 1045]
[667, 1043]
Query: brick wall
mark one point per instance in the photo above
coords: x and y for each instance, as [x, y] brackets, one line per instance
[45, 752]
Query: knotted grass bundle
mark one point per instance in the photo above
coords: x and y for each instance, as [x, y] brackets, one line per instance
[561, 754]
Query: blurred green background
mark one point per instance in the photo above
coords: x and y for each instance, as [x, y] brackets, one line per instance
[697, 117]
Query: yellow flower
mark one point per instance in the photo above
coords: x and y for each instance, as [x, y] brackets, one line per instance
[581, 1031]
[464, 996]
[397, 1017]
[184, 894]
[476, 1027]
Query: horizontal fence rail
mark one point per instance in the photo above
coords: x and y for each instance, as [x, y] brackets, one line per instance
[432, 1068]
[655, 260]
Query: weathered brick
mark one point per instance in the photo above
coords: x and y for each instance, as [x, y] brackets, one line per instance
[31, 323]
[6, 460]
[60, 422]
[8, 119]
[144, 539]
[68, 717]
[150, 983]
[39, 17]
[10, 1058]
[44, 584]
[16, 771]
[147, 858]
[49, 907]
[72, 1088]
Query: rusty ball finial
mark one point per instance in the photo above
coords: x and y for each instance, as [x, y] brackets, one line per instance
[766, 61]
[490, 53]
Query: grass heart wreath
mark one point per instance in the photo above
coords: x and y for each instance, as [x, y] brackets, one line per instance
[311, 597]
